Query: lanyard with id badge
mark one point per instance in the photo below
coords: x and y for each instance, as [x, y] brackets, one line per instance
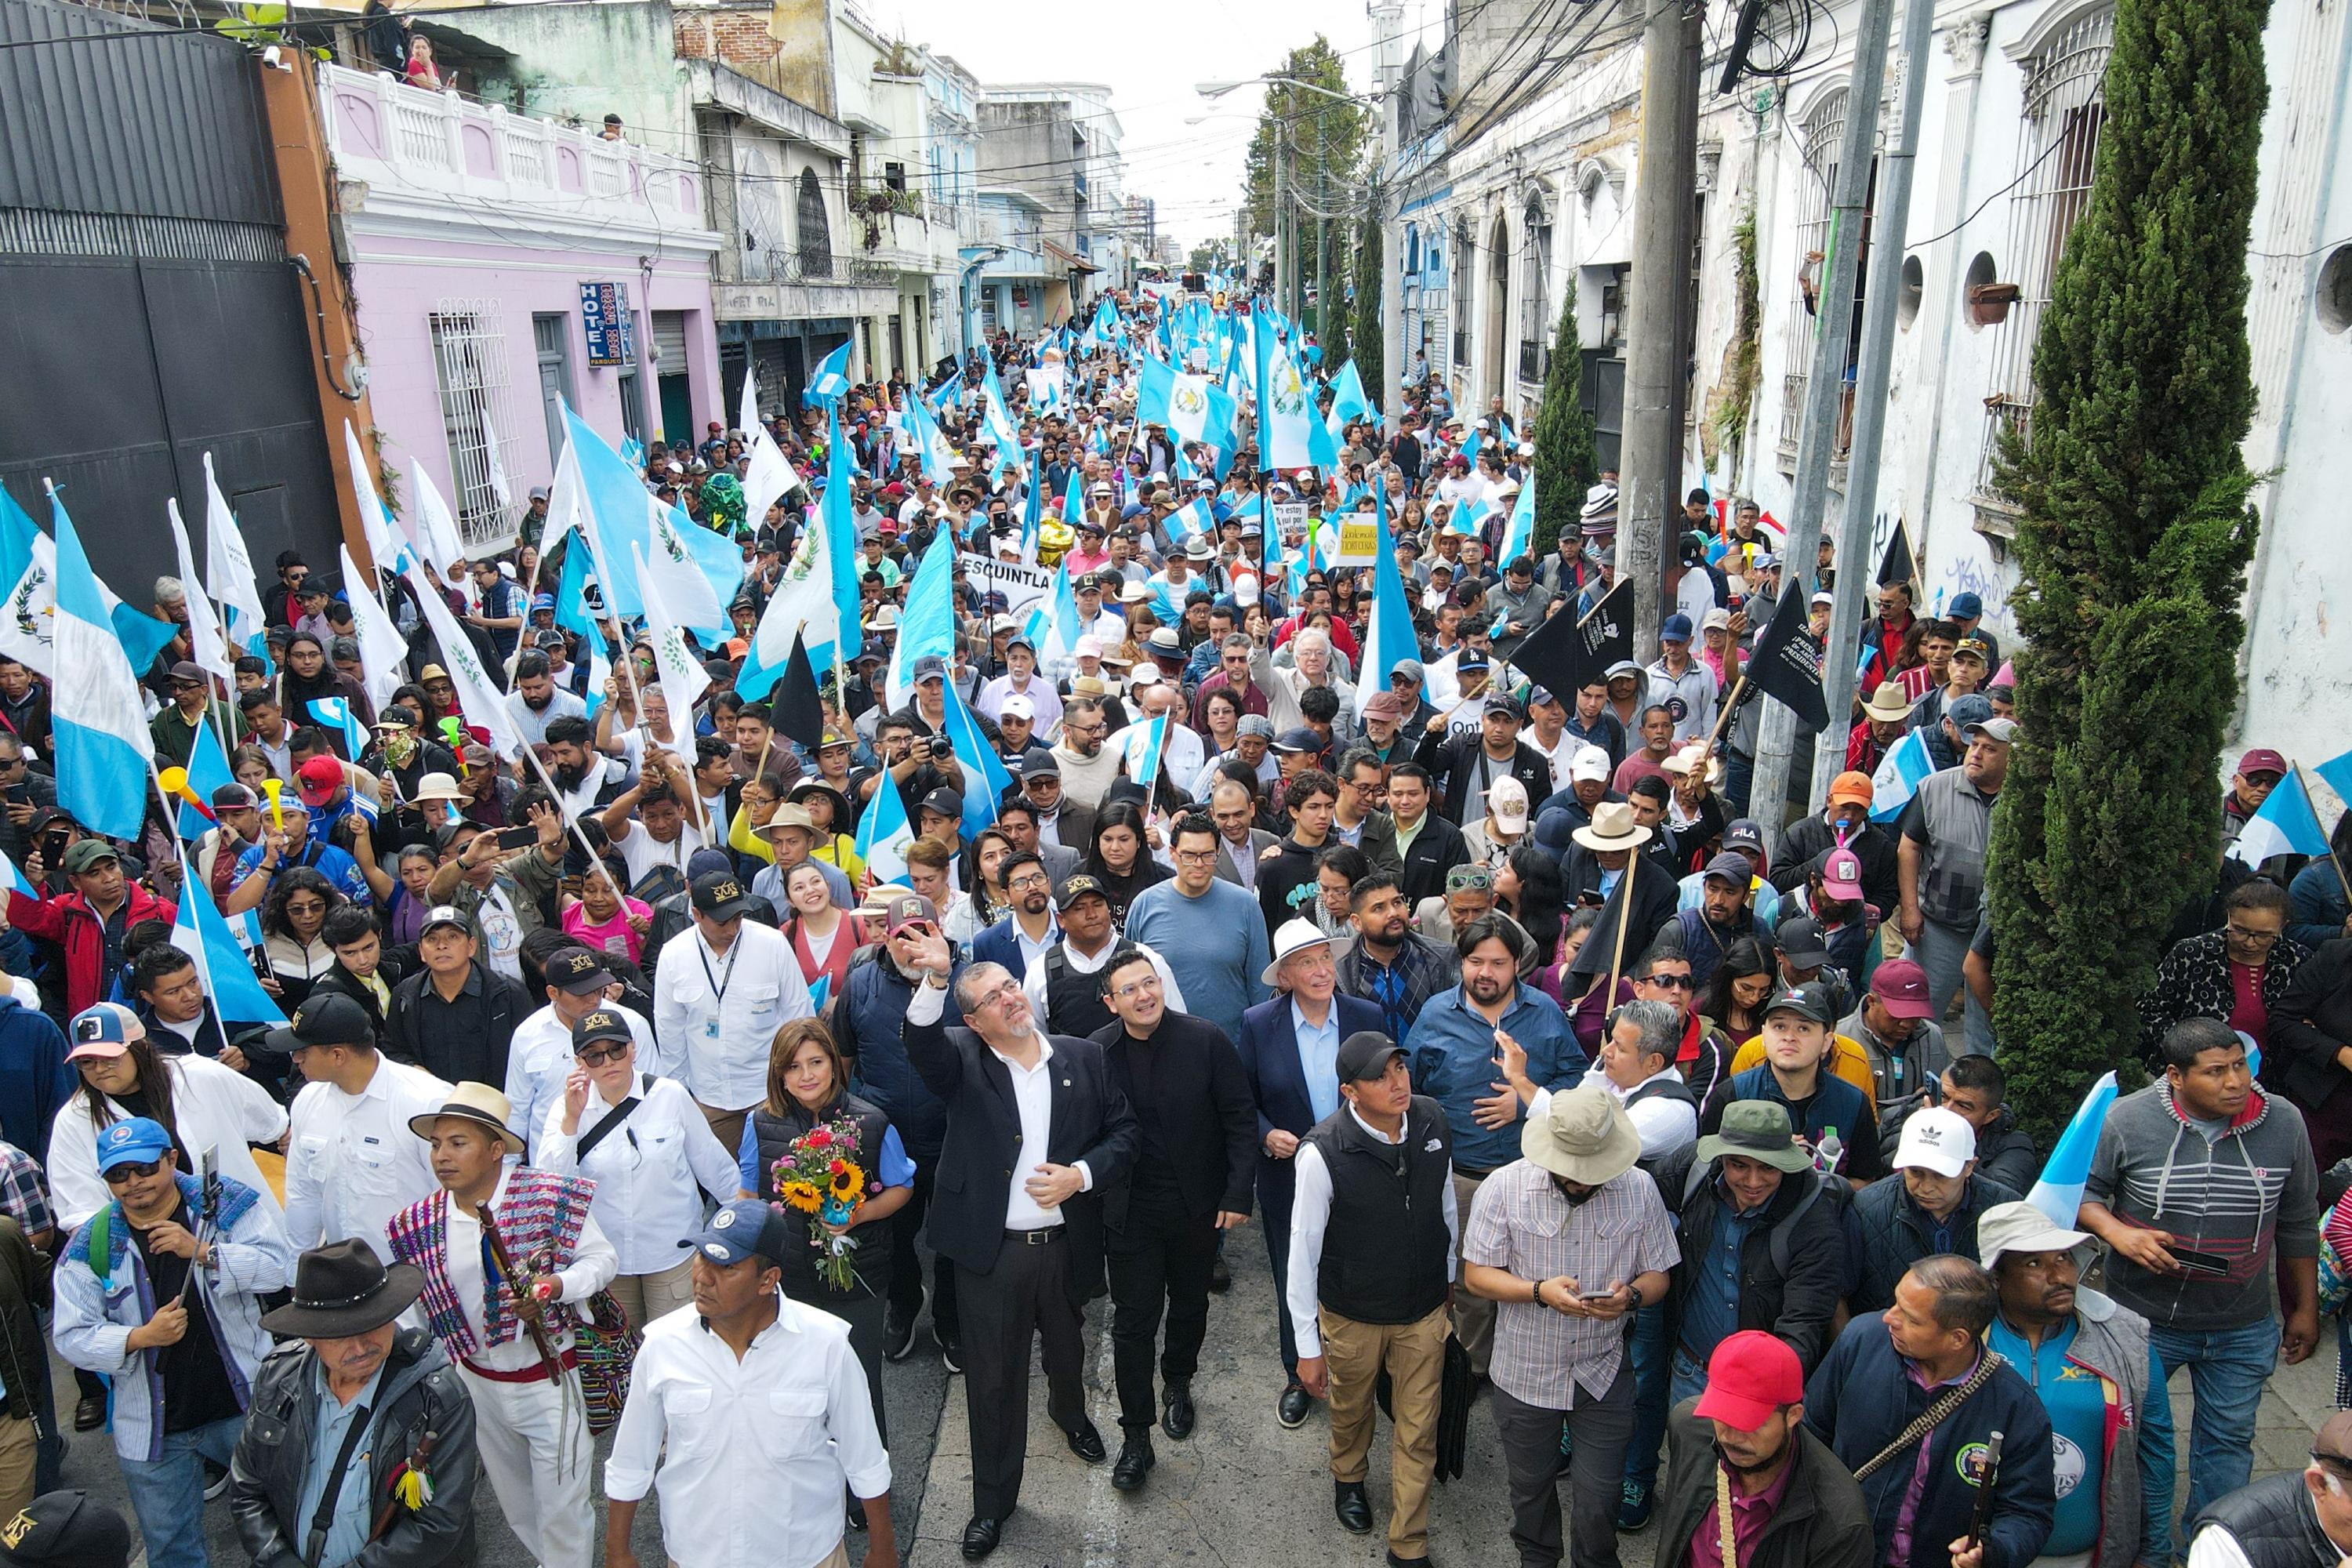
[719, 985]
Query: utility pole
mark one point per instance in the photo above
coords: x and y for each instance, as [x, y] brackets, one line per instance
[1387, 26]
[1281, 270]
[1656, 356]
[1889, 222]
[1824, 389]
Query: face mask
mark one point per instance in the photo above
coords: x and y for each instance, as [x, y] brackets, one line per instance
[400, 746]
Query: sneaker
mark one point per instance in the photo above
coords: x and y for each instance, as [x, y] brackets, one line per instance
[215, 1482]
[1632, 1507]
[950, 1350]
[898, 1331]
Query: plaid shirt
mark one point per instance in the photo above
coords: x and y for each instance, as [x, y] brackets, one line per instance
[1520, 1223]
[1399, 990]
[24, 1189]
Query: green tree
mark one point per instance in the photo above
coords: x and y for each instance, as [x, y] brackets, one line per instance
[1325, 139]
[1568, 463]
[2133, 537]
[1367, 347]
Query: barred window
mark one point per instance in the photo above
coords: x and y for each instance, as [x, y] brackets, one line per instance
[470, 358]
[1819, 141]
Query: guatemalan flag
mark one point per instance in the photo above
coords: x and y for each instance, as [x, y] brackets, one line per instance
[1519, 537]
[2286, 824]
[99, 735]
[884, 834]
[832, 377]
[2058, 1193]
[335, 714]
[1193, 517]
[202, 933]
[1899, 774]
[986, 776]
[1389, 635]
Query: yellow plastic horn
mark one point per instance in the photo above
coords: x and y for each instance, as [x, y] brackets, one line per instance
[175, 785]
[271, 788]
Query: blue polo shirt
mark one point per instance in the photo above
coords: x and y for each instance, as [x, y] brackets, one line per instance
[1455, 1062]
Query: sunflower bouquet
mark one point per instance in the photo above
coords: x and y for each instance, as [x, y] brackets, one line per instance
[820, 1176]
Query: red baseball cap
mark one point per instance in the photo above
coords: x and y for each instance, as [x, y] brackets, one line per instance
[1901, 987]
[1750, 1376]
[2262, 760]
[317, 780]
[1841, 874]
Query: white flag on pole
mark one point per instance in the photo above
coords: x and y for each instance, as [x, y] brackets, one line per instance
[206, 646]
[683, 679]
[229, 576]
[382, 647]
[437, 539]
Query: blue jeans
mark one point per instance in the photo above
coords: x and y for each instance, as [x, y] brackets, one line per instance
[1689, 1378]
[1651, 1381]
[168, 1494]
[2227, 1370]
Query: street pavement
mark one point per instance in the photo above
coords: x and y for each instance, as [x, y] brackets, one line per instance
[1239, 1493]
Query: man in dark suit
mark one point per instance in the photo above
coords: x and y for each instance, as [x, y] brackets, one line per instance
[1192, 1180]
[1469, 764]
[1427, 846]
[1604, 847]
[1289, 1047]
[1029, 928]
[1024, 1250]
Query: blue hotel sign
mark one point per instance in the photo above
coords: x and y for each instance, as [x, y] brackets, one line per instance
[605, 313]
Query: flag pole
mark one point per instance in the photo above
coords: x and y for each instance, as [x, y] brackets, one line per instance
[2342, 886]
[555, 801]
[1624, 918]
[171, 810]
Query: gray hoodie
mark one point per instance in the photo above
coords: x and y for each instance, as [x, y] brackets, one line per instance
[2234, 1198]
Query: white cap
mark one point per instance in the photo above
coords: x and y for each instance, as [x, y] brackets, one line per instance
[1936, 1140]
[2021, 1227]
[1088, 646]
[1507, 803]
[1715, 620]
[1591, 762]
[1016, 706]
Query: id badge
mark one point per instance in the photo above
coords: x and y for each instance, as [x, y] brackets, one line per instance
[710, 1028]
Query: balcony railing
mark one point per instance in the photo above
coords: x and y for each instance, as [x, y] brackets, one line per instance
[963, 216]
[817, 267]
[1532, 359]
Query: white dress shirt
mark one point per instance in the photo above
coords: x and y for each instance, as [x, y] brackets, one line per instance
[1032, 1097]
[646, 1170]
[539, 1059]
[757, 1449]
[593, 1265]
[1034, 982]
[216, 1108]
[717, 1013]
[351, 1163]
[1310, 1211]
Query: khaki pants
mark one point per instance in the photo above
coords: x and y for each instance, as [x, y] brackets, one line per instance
[17, 1446]
[1474, 1316]
[645, 1297]
[1414, 1355]
[727, 1125]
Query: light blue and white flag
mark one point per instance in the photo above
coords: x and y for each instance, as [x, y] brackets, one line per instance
[633, 451]
[99, 733]
[2286, 824]
[1284, 418]
[1520, 536]
[595, 493]
[1389, 638]
[2337, 771]
[927, 625]
[1193, 517]
[28, 571]
[830, 381]
[335, 713]
[2058, 1191]
[1147, 750]
[207, 771]
[1032, 508]
[986, 778]
[13, 881]
[884, 833]
[227, 975]
[229, 576]
[386, 547]
[1900, 773]
[1348, 399]
[1054, 628]
[1466, 516]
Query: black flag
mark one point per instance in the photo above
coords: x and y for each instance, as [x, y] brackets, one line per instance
[1787, 663]
[1564, 652]
[796, 709]
[1897, 565]
[1599, 955]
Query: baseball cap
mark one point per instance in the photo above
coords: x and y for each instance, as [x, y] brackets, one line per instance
[1715, 620]
[103, 1029]
[900, 911]
[1745, 833]
[2021, 1228]
[1080, 886]
[743, 1228]
[1937, 1139]
[134, 1138]
[1841, 874]
[944, 802]
[1366, 1054]
[1801, 944]
[1409, 669]
[1750, 1375]
[188, 672]
[930, 667]
[1503, 702]
[1901, 987]
[328, 1018]
[1016, 706]
[64, 1530]
[1808, 1001]
[441, 915]
[317, 780]
[1384, 704]
[1298, 740]
[718, 895]
[84, 855]
[234, 798]
[1730, 866]
[1591, 762]
[1964, 607]
[2001, 730]
[601, 1024]
[1676, 629]
[2262, 760]
[1851, 789]
[577, 972]
[1507, 803]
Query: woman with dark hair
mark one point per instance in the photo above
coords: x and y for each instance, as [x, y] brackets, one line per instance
[1529, 888]
[1221, 713]
[293, 931]
[1118, 858]
[808, 1088]
[1337, 868]
[823, 936]
[1733, 999]
[309, 677]
[1587, 998]
[983, 881]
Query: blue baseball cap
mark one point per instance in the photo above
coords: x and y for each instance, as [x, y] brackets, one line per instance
[1973, 708]
[742, 1229]
[1676, 629]
[107, 1029]
[131, 1141]
[1966, 607]
[543, 602]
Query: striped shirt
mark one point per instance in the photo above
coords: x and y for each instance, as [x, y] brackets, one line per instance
[1520, 1223]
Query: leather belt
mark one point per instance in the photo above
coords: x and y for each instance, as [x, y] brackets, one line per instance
[1044, 1237]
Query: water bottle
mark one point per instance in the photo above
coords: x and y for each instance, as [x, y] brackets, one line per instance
[1829, 1152]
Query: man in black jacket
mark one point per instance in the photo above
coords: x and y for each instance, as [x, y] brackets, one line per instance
[1028, 1250]
[1469, 764]
[1198, 1125]
[1427, 845]
[387, 1387]
[25, 1363]
[1847, 815]
[453, 1017]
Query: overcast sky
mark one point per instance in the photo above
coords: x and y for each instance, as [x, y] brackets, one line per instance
[1152, 57]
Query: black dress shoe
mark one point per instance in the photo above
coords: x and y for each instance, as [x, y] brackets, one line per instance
[1397, 1561]
[1295, 1405]
[1355, 1511]
[1220, 1278]
[1135, 1462]
[1086, 1443]
[981, 1536]
[89, 1414]
[1177, 1415]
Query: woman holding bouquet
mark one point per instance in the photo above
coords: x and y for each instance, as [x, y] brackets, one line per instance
[835, 1165]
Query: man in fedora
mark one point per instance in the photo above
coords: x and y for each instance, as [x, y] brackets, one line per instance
[161, 1291]
[1599, 853]
[1885, 716]
[1570, 1240]
[339, 1418]
[532, 1421]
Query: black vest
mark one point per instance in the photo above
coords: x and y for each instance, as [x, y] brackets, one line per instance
[1666, 1086]
[1384, 1247]
[1074, 1001]
[871, 1258]
[2274, 1521]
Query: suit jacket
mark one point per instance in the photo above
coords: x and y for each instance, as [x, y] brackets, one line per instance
[1074, 825]
[999, 945]
[1092, 1121]
[1269, 1053]
[1259, 841]
[1655, 896]
[1062, 862]
[1436, 850]
[1205, 1115]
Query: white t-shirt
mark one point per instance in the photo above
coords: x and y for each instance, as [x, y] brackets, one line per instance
[641, 854]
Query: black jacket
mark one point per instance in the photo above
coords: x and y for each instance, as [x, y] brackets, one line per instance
[1655, 896]
[1206, 1115]
[420, 1392]
[24, 1292]
[407, 1038]
[1799, 1305]
[2309, 1024]
[340, 981]
[1810, 837]
[1436, 850]
[1822, 1521]
[982, 1151]
[1454, 759]
[1886, 1233]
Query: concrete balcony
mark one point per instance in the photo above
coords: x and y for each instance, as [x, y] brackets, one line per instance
[793, 285]
[433, 161]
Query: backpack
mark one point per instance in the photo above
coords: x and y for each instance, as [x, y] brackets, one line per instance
[1833, 1190]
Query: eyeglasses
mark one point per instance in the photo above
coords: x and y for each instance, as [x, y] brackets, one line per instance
[1672, 982]
[135, 1171]
[306, 906]
[1196, 856]
[1031, 879]
[1134, 988]
[2251, 938]
[591, 1056]
[1087, 729]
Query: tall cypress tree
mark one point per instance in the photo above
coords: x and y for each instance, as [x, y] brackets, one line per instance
[1368, 346]
[1567, 462]
[2133, 539]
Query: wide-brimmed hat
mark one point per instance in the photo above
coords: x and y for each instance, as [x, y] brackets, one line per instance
[2021, 1227]
[1887, 704]
[799, 793]
[1612, 827]
[1584, 1136]
[1294, 937]
[477, 1102]
[436, 786]
[1685, 759]
[1756, 1129]
[343, 1288]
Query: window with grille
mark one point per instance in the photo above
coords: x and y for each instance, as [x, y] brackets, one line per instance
[1825, 130]
[1535, 288]
[815, 233]
[2058, 147]
[470, 358]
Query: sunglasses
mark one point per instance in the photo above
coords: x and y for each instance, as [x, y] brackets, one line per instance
[1673, 981]
[132, 1171]
[592, 1056]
